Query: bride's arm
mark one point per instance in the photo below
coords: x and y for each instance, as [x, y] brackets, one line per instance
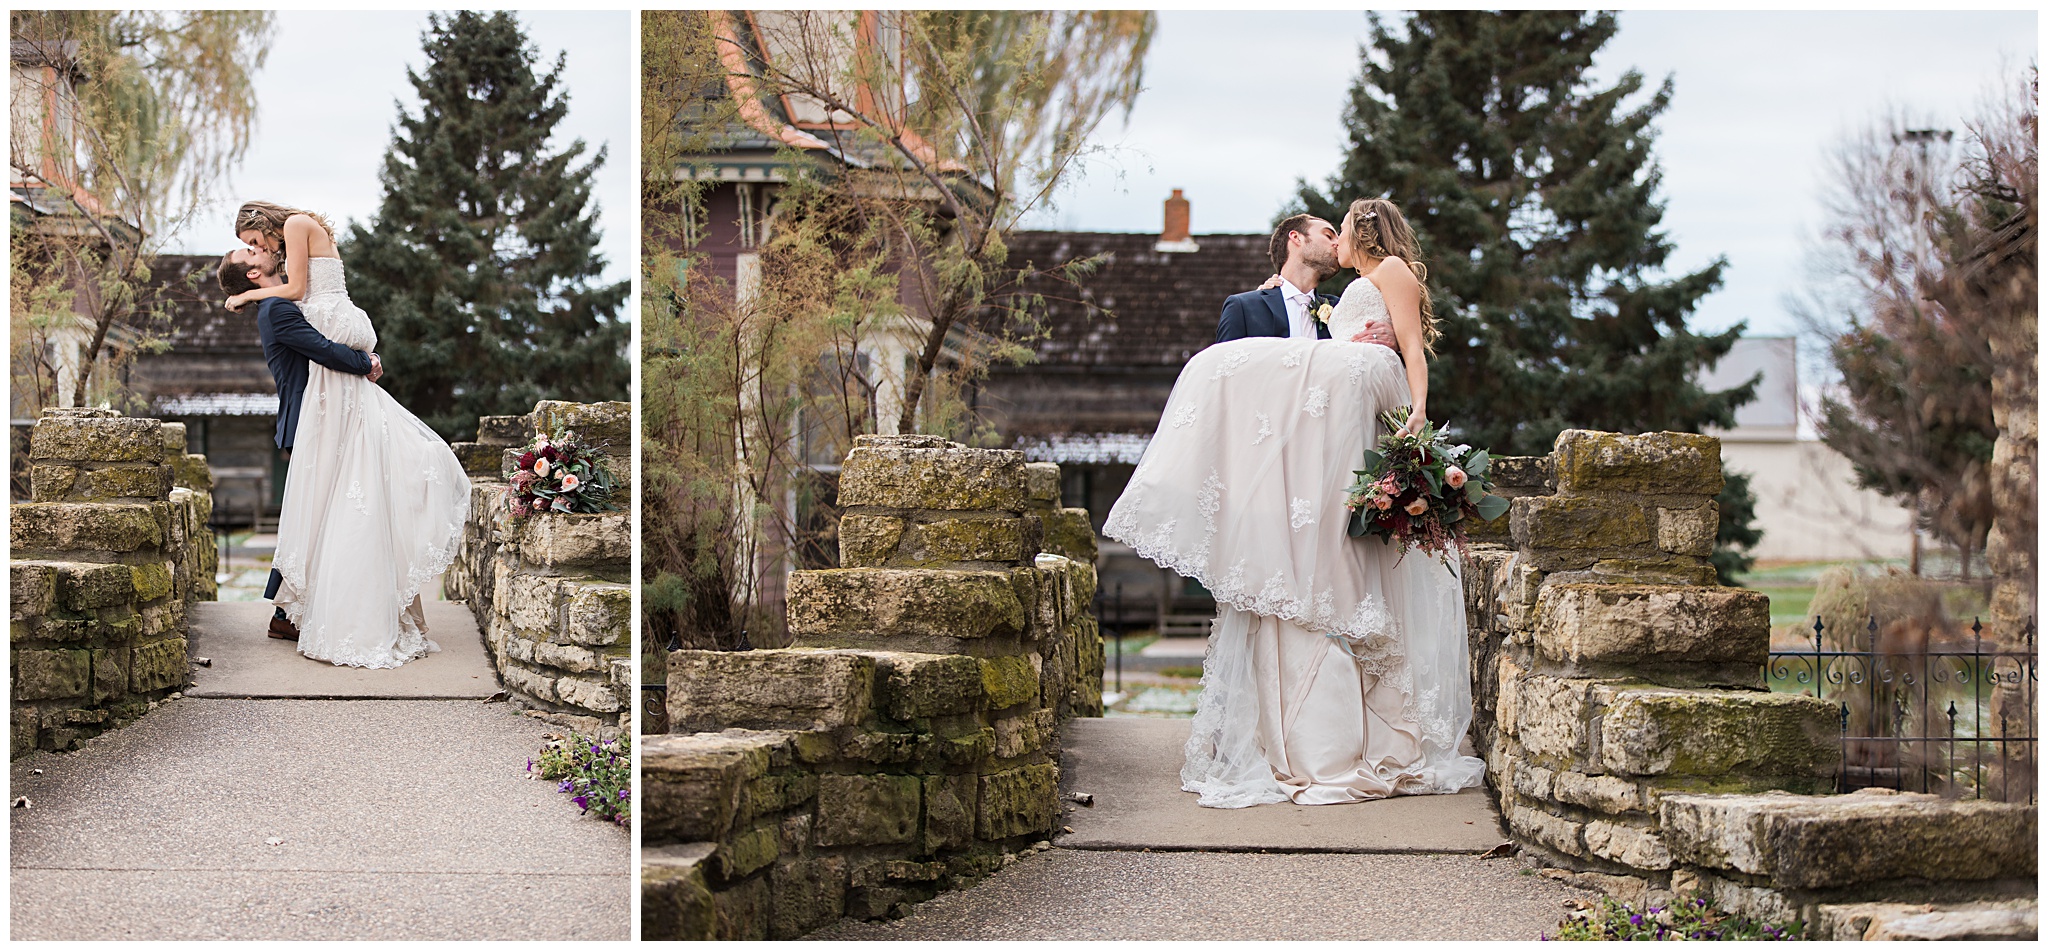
[1403, 294]
[297, 236]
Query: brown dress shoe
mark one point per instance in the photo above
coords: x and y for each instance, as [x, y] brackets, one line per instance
[283, 629]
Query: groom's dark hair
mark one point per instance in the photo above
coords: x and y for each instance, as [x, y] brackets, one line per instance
[1278, 250]
[234, 275]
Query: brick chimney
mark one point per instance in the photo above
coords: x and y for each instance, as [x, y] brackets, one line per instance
[1174, 238]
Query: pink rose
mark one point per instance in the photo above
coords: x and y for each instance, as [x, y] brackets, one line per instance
[570, 482]
[1383, 503]
[540, 466]
[1418, 507]
[1454, 477]
[561, 504]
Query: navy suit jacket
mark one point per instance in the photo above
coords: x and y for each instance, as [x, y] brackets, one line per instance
[1260, 314]
[289, 342]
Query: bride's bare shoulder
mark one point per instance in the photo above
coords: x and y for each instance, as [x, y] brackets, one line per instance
[1394, 272]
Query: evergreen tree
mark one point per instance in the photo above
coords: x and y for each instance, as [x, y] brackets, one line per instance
[1533, 193]
[479, 267]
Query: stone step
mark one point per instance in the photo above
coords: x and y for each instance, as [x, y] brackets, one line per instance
[1872, 835]
[1896, 921]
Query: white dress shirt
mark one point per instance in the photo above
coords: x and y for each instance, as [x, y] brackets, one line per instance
[1299, 326]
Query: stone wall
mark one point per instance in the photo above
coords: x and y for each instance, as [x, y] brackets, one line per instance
[104, 559]
[909, 742]
[551, 593]
[1627, 734]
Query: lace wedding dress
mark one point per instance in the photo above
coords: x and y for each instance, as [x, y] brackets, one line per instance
[1333, 673]
[374, 504]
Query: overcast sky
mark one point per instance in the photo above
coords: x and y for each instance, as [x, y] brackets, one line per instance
[327, 101]
[1760, 99]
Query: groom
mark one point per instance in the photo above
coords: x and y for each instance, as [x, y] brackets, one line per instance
[289, 343]
[1304, 251]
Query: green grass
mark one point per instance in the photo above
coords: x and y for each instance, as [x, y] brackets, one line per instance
[1191, 673]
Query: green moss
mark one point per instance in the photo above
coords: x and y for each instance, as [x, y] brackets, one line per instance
[152, 581]
[1008, 681]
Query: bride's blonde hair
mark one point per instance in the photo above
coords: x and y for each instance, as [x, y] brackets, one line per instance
[1378, 231]
[269, 218]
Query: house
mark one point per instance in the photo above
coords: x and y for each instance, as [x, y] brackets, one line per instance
[1807, 501]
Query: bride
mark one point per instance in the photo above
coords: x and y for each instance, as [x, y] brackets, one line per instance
[375, 501]
[1335, 672]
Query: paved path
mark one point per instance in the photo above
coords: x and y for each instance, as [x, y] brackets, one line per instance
[1146, 863]
[249, 663]
[1209, 896]
[295, 818]
[1131, 766]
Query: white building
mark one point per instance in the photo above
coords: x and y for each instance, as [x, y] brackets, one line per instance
[1807, 502]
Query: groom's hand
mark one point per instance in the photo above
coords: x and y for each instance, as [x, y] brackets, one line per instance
[376, 368]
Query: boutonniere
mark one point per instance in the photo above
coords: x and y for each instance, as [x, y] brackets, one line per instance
[1319, 311]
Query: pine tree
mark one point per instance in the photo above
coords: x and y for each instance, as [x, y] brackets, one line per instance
[479, 266]
[1533, 193]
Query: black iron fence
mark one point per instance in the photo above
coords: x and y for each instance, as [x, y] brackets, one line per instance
[1923, 714]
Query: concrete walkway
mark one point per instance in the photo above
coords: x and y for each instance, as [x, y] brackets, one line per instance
[1145, 863]
[379, 817]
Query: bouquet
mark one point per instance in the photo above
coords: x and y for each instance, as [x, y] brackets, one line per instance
[1417, 490]
[560, 477]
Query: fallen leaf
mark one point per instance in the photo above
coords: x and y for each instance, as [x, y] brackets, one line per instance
[1500, 851]
[499, 697]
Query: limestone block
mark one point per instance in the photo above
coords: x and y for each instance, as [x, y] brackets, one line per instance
[1868, 836]
[1650, 463]
[480, 460]
[1530, 781]
[924, 685]
[1628, 844]
[1009, 681]
[2017, 920]
[167, 617]
[1532, 824]
[868, 809]
[533, 604]
[51, 674]
[1668, 569]
[521, 680]
[868, 541]
[504, 430]
[1042, 482]
[599, 542]
[1601, 793]
[599, 613]
[1603, 625]
[743, 910]
[1068, 532]
[902, 609]
[152, 580]
[1553, 716]
[691, 783]
[787, 689]
[115, 439]
[948, 540]
[1021, 801]
[1517, 476]
[805, 894]
[747, 852]
[85, 526]
[767, 796]
[117, 483]
[598, 424]
[173, 437]
[26, 724]
[1023, 733]
[594, 694]
[912, 472]
[950, 806]
[1544, 524]
[1688, 531]
[190, 471]
[109, 674]
[32, 588]
[1650, 731]
[675, 902]
[159, 665]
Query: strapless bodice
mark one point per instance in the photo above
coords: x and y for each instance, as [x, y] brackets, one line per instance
[1360, 305]
[324, 276]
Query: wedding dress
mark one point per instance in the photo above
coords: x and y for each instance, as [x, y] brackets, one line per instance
[1334, 673]
[374, 504]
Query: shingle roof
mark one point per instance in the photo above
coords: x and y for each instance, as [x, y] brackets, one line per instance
[1161, 307]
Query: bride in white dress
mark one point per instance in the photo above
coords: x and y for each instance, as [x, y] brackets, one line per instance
[1333, 673]
[375, 500]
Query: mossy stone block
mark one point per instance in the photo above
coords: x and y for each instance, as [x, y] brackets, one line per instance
[51, 674]
[1648, 463]
[85, 526]
[1655, 731]
[158, 665]
[675, 901]
[1019, 802]
[151, 581]
[890, 609]
[914, 686]
[868, 809]
[113, 439]
[868, 541]
[1008, 681]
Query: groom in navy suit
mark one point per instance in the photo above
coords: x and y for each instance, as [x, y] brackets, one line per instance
[1304, 251]
[290, 344]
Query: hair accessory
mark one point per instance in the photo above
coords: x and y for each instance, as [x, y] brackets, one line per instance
[1368, 216]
